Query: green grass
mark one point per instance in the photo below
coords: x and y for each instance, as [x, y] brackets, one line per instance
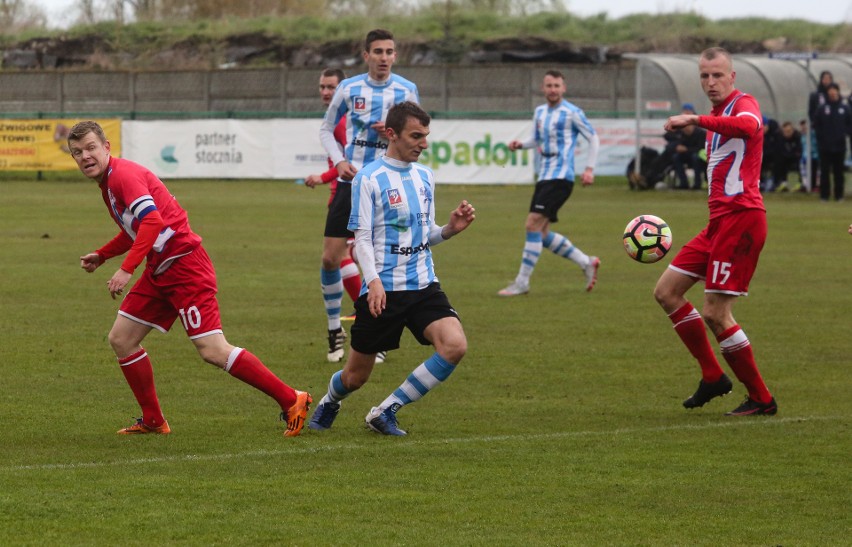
[562, 426]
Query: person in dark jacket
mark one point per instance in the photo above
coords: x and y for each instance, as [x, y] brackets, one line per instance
[788, 154]
[817, 98]
[832, 124]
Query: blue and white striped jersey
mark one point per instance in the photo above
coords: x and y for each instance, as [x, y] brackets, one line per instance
[366, 102]
[555, 133]
[394, 200]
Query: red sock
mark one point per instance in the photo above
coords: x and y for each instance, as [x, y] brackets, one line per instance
[736, 350]
[140, 377]
[251, 370]
[690, 327]
[351, 278]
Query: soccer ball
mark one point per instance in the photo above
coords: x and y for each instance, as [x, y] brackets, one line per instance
[647, 238]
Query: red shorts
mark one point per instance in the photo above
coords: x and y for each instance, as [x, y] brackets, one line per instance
[187, 289]
[725, 253]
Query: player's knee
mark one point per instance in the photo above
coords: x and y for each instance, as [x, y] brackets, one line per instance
[453, 348]
[120, 343]
[330, 262]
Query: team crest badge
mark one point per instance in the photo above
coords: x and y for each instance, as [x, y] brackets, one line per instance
[359, 104]
[394, 198]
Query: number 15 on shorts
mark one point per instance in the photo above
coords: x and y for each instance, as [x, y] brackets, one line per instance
[721, 272]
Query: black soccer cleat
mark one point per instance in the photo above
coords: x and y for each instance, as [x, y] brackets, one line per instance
[750, 407]
[709, 390]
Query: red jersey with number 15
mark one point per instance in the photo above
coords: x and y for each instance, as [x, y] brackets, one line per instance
[734, 154]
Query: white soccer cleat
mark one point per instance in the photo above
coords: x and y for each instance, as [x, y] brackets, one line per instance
[591, 272]
[336, 338]
[514, 289]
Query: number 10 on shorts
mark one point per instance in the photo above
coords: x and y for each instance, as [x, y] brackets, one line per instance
[190, 317]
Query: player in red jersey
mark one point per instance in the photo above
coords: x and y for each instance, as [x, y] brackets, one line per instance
[725, 254]
[178, 281]
[329, 80]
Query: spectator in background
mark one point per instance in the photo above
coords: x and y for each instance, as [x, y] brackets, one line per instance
[810, 181]
[817, 98]
[787, 155]
[688, 148]
[833, 124]
[771, 136]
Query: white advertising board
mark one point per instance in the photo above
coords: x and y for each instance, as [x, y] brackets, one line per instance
[460, 151]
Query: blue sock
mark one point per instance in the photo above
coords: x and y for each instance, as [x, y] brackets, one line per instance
[332, 293]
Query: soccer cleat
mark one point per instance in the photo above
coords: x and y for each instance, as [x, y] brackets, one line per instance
[336, 338]
[591, 272]
[140, 428]
[296, 414]
[514, 289]
[750, 407]
[324, 416]
[384, 421]
[709, 390]
[381, 356]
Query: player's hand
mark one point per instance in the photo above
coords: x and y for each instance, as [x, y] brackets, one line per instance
[680, 121]
[850, 229]
[346, 171]
[461, 217]
[588, 177]
[379, 127]
[376, 297]
[313, 180]
[515, 145]
[90, 262]
[119, 280]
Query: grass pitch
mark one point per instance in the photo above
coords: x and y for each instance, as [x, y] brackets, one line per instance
[562, 426]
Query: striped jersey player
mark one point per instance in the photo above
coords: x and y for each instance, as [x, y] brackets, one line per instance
[393, 217]
[364, 101]
[556, 126]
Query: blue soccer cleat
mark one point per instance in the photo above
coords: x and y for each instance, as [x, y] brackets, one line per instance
[384, 421]
[324, 416]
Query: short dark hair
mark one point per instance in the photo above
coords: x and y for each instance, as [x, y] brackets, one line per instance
[377, 34]
[833, 85]
[555, 74]
[81, 129]
[399, 113]
[713, 52]
[336, 72]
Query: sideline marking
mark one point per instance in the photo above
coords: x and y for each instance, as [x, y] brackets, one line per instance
[734, 422]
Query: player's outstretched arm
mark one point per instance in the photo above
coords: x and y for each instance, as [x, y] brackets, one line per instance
[461, 217]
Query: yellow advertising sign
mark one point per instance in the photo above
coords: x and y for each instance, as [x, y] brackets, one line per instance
[41, 145]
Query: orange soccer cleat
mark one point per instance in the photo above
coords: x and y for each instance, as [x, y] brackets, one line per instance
[140, 428]
[296, 414]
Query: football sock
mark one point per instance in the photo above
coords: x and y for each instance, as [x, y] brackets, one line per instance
[139, 374]
[736, 349]
[690, 327]
[532, 250]
[245, 366]
[563, 247]
[332, 293]
[336, 390]
[426, 376]
[351, 278]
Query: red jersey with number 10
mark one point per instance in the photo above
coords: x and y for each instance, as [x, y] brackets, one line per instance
[734, 154]
[130, 192]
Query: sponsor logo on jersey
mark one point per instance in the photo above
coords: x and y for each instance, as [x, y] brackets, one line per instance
[408, 251]
[370, 144]
[394, 198]
[359, 104]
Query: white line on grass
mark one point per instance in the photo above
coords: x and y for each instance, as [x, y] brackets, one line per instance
[736, 422]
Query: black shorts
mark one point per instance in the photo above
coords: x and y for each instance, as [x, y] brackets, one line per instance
[549, 195]
[413, 309]
[338, 212]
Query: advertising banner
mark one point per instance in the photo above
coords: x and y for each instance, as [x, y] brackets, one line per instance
[41, 144]
[459, 151]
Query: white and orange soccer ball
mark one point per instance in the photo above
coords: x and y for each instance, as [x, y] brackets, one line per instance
[647, 238]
